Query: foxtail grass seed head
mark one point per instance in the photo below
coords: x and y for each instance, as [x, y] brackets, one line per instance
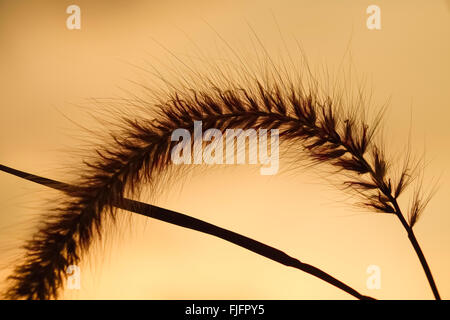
[142, 149]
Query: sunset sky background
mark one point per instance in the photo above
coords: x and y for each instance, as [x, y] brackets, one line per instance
[48, 72]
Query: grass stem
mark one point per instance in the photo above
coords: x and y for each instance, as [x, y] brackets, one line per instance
[189, 222]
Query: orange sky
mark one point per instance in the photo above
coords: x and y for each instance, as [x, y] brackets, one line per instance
[47, 71]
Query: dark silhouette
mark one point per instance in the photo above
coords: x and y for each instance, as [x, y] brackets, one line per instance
[318, 124]
[189, 222]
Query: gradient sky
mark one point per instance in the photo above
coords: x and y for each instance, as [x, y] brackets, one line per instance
[48, 71]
